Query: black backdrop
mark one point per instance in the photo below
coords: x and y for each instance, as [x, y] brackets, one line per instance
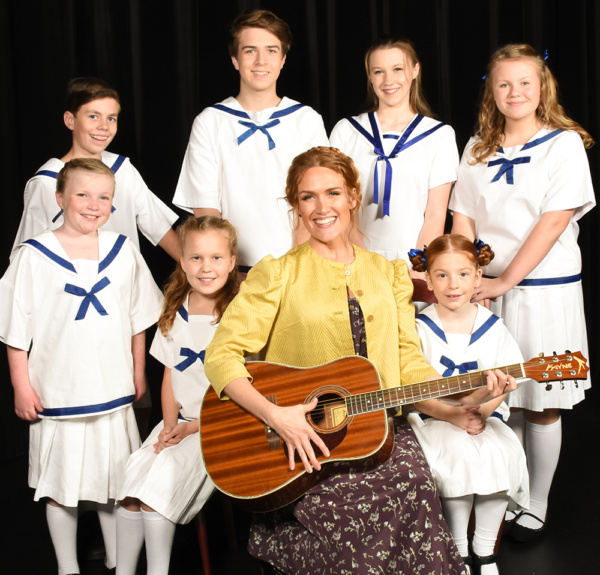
[168, 60]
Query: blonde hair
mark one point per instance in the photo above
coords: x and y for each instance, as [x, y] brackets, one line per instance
[324, 157]
[85, 164]
[417, 100]
[491, 122]
[178, 287]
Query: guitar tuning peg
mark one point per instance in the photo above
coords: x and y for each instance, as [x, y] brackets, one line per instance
[562, 385]
[568, 351]
[576, 384]
[541, 354]
[548, 386]
[554, 353]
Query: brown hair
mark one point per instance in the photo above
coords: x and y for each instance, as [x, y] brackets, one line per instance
[81, 91]
[479, 253]
[178, 287]
[260, 19]
[324, 157]
[491, 123]
[417, 100]
[85, 164]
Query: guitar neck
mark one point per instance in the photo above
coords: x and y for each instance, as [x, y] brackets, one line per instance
[415, 392]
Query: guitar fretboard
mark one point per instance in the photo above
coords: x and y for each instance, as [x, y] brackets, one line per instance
[415, 392]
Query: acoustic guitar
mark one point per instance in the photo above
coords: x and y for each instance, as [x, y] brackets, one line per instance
[248, 461]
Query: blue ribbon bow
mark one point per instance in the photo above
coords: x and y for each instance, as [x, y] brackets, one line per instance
[88, 297]
[464, 367]
[415, 252]
[506, 167]
[191, 356]
[252, 127]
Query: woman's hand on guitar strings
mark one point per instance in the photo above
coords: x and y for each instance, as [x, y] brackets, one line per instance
[292, 426]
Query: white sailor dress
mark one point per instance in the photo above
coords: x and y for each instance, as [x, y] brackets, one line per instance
[397, 170]
[77, 318]
[492, 461]
[237, 163]
[506, 198]
[174, 482]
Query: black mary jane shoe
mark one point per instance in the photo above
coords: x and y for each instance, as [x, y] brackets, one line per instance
[479, 561]
[509, 524]
[526, 534]
[468, 561]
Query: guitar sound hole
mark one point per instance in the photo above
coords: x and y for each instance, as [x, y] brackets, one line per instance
[329, 414]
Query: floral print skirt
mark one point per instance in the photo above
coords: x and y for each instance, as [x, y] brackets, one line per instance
[385, 520]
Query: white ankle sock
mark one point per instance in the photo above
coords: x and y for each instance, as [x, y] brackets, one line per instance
[159, 533]
[107, 515]
[457, 511]
[130, 538]
[543, 449]
[62, 524]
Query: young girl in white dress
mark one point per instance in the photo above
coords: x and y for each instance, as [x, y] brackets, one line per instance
[476, 459]
[165, 480]
[523, 183]
[74, 304]
[407, 160]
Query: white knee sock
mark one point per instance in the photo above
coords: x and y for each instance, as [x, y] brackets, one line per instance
[489, 512]
[130, 538]
[62, 524]
[457, 511]
[159, 533]
[542, 449]
[107, 515]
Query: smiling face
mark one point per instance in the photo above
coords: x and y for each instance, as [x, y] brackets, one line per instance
[391, 74]
[324, 205]
[453, 278]
[207, 261]
[259, 59]
[94, 127]
[516, 88]
[86, 201]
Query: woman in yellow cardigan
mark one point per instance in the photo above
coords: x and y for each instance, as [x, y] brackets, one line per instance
[323, 300]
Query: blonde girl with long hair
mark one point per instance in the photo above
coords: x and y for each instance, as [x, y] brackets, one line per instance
[165, 480]
[523, 183]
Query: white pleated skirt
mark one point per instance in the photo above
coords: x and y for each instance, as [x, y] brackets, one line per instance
[174, 483]
[81, 459]
[546, 320]
[491, 462]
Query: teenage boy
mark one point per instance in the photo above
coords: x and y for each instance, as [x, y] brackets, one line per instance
[240, 150]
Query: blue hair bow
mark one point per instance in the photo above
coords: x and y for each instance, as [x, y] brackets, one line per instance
[414, 252]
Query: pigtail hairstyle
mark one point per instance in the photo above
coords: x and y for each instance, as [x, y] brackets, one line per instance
[479, 253]
[417, 101]
[178, 287]
[491, 123]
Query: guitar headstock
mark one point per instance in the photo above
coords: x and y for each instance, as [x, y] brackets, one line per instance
[557, 367]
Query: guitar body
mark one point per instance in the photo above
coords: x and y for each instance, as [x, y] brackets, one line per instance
[249, 462]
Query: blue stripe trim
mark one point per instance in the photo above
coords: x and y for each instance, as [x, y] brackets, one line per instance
[88, 409]
[183, 313]
[48, 173]
[536, 142]
[112, 254]
[432, 326]
[483, 329]
[60, 213]
[118, 163]
[545, 281]
[50, 254]
[241, 114]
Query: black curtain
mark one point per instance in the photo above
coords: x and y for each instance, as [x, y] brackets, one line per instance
[168, 60]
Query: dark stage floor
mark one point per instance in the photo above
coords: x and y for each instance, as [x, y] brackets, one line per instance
[568, 547]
